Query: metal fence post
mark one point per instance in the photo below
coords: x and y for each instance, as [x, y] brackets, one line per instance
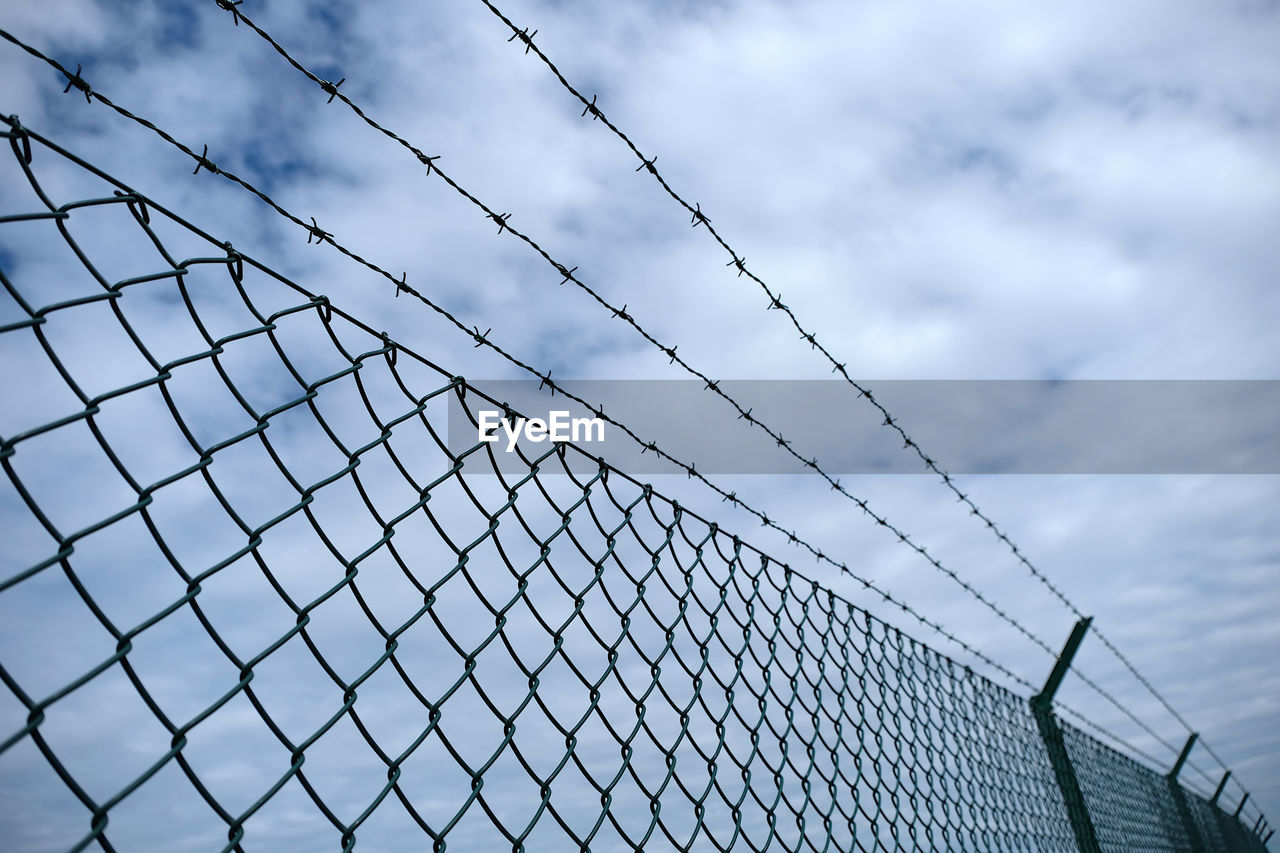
[1180, 797]
[1182, 756]
[1051, 733]
[1240, 807]
[1218, 791]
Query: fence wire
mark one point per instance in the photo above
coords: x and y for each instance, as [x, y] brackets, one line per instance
[250, 600]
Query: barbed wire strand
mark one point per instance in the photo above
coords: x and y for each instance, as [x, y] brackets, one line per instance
[775, 302]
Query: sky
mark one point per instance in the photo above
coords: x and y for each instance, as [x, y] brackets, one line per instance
[942, 192]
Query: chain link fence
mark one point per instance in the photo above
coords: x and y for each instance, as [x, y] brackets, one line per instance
[251, 601]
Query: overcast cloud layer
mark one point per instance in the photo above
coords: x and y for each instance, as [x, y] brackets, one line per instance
[964, 191]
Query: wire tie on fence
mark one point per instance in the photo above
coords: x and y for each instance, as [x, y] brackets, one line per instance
[324, 308]
[593, 109]
[480, 338]
[203, 160]
[230, 6]
[78, 82]
[316, 231]
[738, 262]
[137, 206]
[648, 164]
[500, 219]
[524, 36]
[332, 88]
[235, 263]
[20, 132]
[392, 351]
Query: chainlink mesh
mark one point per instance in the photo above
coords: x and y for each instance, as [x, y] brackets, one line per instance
[1136, 809]
[251, 601]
